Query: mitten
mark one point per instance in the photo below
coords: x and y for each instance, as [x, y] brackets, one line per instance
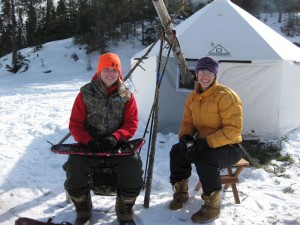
[186, 141]
[108, 144]
[193, 152]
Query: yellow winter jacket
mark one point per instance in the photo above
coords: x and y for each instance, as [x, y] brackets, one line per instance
[215, 114]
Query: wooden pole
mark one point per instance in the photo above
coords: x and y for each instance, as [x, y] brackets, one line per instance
[166, 22]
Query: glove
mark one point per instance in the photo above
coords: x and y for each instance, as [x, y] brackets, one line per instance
[94, 146]
[108, 144]
[193, 152]
[186, 141]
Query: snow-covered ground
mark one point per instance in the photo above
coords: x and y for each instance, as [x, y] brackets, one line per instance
[35, 108]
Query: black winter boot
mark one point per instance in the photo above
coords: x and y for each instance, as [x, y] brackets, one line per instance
[83, 205]
[124, 211]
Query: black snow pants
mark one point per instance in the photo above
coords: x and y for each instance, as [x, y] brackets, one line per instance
[129, 173]
[208, 165]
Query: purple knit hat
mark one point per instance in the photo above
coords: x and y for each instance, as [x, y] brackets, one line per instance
[207, 63]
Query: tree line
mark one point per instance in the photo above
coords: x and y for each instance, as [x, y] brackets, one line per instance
[95, 23]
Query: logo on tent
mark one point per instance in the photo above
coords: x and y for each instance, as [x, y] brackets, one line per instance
[219, 50]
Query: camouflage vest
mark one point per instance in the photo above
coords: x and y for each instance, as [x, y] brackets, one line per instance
[104, 113]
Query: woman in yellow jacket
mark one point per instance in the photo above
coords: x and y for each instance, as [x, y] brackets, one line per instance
[209, 135]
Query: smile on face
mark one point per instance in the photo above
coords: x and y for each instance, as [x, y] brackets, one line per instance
[109, 76]
[205, 78]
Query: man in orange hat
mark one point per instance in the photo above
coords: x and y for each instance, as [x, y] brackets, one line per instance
[104, 113]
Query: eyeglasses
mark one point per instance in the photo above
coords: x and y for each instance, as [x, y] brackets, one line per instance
[203, 72]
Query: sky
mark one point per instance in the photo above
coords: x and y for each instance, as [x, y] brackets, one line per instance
[35, 107]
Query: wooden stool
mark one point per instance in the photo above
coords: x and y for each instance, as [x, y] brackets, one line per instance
[231, 179]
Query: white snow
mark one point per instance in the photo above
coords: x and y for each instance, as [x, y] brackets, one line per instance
[35, 108]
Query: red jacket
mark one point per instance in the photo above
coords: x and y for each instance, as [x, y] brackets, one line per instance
[78, 117]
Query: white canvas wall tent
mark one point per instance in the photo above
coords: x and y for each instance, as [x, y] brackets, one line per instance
[255, 61]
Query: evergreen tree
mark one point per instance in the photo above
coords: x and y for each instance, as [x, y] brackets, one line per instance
[31, 21]
[86, 16]
[2, 51]
[50, 20]
[73, 15]
[136, 15]
[150, 19]
[40, 36]
[99, 23]
[46, 23]
[14, 34]
[250, 6]
[105, 24]
[21, 32]
[6, 28]
[62, 22]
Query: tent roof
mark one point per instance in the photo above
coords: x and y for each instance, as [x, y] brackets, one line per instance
[227, 32]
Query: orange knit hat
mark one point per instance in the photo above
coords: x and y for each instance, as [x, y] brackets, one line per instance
[109, 60]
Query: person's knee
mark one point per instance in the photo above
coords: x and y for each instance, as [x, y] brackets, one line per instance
[131, 164]
[134, 159]
[206, 161]
[73, 160]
